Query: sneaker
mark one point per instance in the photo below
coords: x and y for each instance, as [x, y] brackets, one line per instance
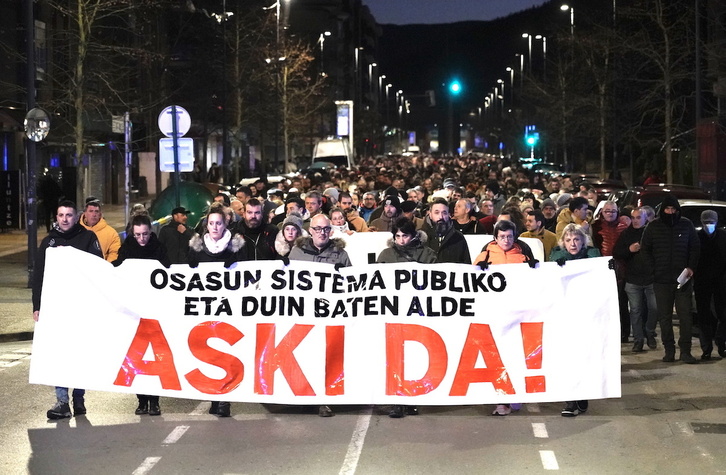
[396, 412]
[582, 406]
[325, 411]
[688, 358]
[651, 342]
[61, 410]
[143, 408]
[638, 346]
[570, 410]
[79, 407]
[502, 410]
[515, 406]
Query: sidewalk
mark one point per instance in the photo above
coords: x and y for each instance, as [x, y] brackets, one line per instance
[16, 308]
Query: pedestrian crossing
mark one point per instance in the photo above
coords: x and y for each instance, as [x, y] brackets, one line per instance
[14, 357]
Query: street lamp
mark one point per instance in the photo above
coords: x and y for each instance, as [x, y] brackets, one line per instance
[324, 35]
[370, 76]
[544, 53]
[521, 70]
[529, 41]
[501, 81]
[511, 85]
[565, 8]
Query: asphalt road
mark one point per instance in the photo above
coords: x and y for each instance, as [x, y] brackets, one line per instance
[671, 419]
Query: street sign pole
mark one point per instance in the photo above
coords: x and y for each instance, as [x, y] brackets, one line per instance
[175, 138]
[127, 164]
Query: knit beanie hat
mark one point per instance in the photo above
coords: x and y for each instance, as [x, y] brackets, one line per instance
[293, 219]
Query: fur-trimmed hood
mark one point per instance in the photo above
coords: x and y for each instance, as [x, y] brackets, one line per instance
[196, 243]
[283, 247]
[420, 237]
[306, 242]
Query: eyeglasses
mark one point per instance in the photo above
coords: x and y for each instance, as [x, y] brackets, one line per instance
[321, 229]
[138, 235]
[505, 237]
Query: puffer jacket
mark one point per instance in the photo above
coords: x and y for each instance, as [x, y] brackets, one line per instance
[415, 251]
[333, 253]
[234, 252]
[108, 238]
[671, 243]
[493, 254]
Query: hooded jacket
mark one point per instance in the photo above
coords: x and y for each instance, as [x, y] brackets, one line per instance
[638, 268]
[78, 237]
[108, 238]
[283, 247]
[415, 251]
[154, 249]
[670, 243]
[332, 253]
[451, 247]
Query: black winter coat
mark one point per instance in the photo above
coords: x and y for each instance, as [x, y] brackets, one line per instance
[78, 237]
[154, 249]
[176, 243]
[451, 247]
[638, 267]
[670, 249]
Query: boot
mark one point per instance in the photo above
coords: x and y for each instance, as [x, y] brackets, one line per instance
[214, 408]
[79, 406]
[396, 412]
[143, 406]
[224, 409]
[687, 357]
[638, 346]
[154, 409]
[670, 355]
[59, 411]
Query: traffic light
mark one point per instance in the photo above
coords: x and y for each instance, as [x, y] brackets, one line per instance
[530, 136]
[455, 87]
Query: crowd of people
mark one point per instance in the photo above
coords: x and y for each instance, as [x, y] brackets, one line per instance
[428, 205]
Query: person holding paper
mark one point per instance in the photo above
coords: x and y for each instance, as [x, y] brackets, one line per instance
[671, 243]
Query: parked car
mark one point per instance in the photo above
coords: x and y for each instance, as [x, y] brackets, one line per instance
[692, 210]
[652, 195]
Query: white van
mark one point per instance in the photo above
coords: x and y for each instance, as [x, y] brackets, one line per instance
[334, 151]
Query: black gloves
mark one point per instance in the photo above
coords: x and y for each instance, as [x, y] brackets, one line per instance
[230, 260]
[338, 266]
[561, 261]
[193, 262]
[484, 265]
[533, 263]
[611, 264]
[285, 260]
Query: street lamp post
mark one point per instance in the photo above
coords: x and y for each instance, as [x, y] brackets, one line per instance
[529, 49]
[565, 8]
[501, 81]
[510, 70]
[544, 53]
[370, 76]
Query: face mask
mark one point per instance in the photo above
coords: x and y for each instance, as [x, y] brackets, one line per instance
[710, 228]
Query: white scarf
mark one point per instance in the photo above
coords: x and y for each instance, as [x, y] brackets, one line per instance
[215, 247]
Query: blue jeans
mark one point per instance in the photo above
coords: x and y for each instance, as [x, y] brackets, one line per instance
[62, 394]
[643, 313]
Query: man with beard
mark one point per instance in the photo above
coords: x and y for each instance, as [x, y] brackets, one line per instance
[391, 211]
[357, 223]
[671, 243]
[549, 212]
[448, 243]
[68, 232]
[175, 236]
[258, 235]
[368, 206]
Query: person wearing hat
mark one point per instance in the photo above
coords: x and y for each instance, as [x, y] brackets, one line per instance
[391, 211]
[408, 210]
[176, 235]
[92, 219]
[708, 285]
[549, 212]
[292, 228]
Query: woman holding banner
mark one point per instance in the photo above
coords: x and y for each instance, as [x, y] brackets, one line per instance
[406, 245]
[572, 246]
[216, 244]
[141, 243]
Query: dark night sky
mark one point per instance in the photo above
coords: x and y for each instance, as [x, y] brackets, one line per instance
[404, 12]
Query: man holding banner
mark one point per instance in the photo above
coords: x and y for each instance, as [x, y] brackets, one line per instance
[68, 233]
[448, 243]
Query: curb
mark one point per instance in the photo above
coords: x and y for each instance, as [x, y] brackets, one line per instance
[18, 336]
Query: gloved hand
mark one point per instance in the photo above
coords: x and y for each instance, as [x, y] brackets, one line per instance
[229, 262]
[561, 261]
[611, 264]
[193, 263]
[117, 262]
[533, 263]
[285, 260]
[338, 266]
[484, 265]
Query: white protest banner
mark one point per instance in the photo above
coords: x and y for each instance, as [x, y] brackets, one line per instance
[440, 334]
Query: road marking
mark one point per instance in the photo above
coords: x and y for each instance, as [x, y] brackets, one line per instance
[549, 461]
[684, 428]
[146, 465]
[202, 408]
[356, 443]
[10, 364]
[540, 430]
[175, 434]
